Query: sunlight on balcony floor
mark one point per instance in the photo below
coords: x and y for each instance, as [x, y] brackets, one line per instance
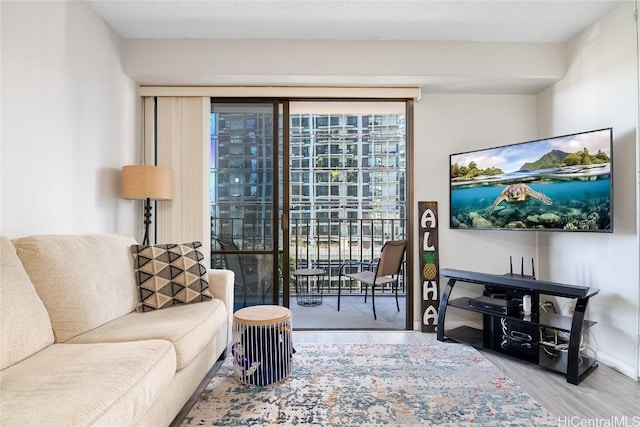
[354, 313]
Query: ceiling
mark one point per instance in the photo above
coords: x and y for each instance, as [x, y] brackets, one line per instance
[535, 21]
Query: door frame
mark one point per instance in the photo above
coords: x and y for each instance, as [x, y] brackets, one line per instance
[281, 213]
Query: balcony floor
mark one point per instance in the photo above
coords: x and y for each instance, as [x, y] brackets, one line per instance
[354, 314]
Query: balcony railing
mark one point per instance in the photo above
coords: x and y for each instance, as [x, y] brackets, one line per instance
[313, 243]
[329, 243]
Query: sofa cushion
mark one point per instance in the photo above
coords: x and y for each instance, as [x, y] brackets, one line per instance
[83, 280]
[86, 384]
[170, 274]
[190, 327]
[25, 327]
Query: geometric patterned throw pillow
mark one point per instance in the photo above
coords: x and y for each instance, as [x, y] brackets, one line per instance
[169, 274]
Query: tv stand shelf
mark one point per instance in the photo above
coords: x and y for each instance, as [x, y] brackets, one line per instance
[511, 332]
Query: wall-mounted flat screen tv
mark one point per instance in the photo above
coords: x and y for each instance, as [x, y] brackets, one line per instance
[555, 184]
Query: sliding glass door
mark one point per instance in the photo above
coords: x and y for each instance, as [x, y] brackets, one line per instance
[299, 184]
[348, 197]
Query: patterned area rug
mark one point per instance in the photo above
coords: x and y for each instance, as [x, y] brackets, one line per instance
[374, 384]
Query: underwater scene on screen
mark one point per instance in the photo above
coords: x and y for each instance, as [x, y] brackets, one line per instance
[534, 186]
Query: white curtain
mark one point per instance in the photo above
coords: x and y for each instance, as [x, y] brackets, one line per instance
[182, 143]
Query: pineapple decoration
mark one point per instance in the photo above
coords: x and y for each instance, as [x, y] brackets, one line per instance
[429, 271]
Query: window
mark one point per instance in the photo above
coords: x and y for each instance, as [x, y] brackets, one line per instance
[321, 149]
[322, 177]
[322, 121]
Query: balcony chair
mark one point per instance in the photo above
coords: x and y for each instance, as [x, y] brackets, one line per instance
[244, 267]
[385, 271]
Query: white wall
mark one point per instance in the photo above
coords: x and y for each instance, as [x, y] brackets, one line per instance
[600, 90]
[436, 66]
[447, 124]
[69, 122]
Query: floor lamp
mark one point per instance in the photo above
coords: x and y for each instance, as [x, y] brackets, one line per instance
[147, 183]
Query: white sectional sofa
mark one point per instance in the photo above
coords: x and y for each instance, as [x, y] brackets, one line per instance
[74, 350]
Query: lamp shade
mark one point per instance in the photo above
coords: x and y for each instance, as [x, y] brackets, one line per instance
[147, 182]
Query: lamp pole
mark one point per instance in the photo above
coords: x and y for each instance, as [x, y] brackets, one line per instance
[147, 220]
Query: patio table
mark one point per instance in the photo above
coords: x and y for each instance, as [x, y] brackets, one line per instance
[306, 296]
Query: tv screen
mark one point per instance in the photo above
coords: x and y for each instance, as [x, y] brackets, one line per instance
[555, 184]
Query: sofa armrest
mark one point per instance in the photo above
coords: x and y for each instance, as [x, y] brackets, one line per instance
[221, 285]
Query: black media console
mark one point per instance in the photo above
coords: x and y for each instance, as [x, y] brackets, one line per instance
[548, 339]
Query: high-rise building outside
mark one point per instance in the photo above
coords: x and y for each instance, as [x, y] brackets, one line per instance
[348, 167]
[344, 169]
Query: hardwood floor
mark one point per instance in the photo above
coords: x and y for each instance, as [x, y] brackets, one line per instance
[605, 397]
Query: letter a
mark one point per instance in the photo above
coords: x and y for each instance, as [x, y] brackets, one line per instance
[430, 314]
[428, 219]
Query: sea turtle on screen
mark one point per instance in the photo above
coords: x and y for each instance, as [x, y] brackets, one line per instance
[519, 193]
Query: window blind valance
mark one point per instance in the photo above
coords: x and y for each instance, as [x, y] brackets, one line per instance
[298, 92]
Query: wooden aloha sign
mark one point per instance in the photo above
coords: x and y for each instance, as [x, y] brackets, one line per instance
[429, 264]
